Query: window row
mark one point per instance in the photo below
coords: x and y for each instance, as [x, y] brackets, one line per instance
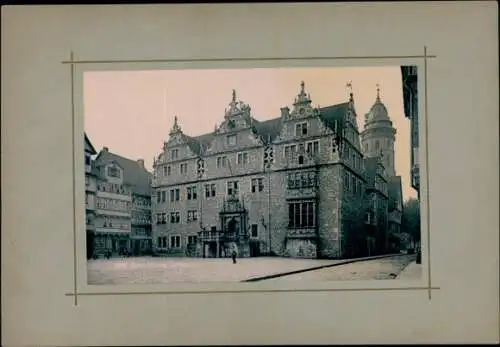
[115, 224]
[302, 179]
[112, 188]
[175, 217]
[296, 150]
[112, 204]
[175, 241]
[353, 184]
[141, 202]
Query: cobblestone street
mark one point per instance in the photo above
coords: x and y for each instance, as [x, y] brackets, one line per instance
[150, 270]
[169, 270]
[378, 269]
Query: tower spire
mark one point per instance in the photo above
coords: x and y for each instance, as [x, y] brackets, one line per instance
[378, 92]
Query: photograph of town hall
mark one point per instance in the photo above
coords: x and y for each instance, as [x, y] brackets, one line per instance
[252, 174]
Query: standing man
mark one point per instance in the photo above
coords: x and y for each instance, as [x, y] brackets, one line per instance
[234, 252]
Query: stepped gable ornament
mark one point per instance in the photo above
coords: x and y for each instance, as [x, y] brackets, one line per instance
[302, 104]
[175, 128]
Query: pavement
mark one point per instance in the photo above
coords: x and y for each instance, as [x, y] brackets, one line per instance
[154, 270]
[376, 269]
[157, 270]
[412, 272]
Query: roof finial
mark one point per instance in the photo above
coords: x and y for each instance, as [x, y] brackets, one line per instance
[378, 92]
[302, 87]
[175, 128]
[349, 88]
[234, 96]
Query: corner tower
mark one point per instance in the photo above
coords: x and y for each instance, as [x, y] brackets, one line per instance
[379, 135]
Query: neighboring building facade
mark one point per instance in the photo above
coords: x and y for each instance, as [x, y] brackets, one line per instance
[279, 187]
[90, 195]
[121, 218]
[410, 102]
[377, 207]
[378, 139]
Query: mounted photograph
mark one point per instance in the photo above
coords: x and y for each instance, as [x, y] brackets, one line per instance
[248, 175]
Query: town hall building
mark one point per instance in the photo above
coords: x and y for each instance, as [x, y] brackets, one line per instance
[295, 185]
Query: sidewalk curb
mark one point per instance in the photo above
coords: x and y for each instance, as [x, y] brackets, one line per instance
[405, 269]
[347, 261]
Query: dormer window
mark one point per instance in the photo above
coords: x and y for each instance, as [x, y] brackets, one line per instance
[301, 129]
[231, 140]
[113, 172]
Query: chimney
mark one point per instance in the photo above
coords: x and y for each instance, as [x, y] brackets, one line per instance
[285, 112]
[140, 162]
[105, 149]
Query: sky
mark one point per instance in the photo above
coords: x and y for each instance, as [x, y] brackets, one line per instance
[132, 112]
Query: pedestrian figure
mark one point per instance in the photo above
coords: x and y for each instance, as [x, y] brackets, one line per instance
[234, 252]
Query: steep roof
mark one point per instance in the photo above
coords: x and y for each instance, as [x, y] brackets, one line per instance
[268, 129]
[334, 113]
[89, 148]
[134, 174]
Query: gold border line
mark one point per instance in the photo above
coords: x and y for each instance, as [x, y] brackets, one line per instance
[426, 113]
[121, 61]
[75, 292]
[252, 291]
[73, 113]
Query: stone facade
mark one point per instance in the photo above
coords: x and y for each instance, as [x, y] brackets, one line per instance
[410, 102]
[274, 187]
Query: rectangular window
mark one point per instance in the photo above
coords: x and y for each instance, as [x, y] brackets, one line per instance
[192, 239]
[175, 241]
[192, 216]
[175, 217]
[209, 190]
[167, 170]
[257, 185]
[255, 230]
[158, 197]
[301, 129]
[290, 151]
[221, 162]
[174, 154]
[242, 158]
[87, 160]
[312, 147]
[175, 194]
[232, 188]
[163, 196]
[191, 193]
[231, 140]
[302, 215]
[183, 169]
